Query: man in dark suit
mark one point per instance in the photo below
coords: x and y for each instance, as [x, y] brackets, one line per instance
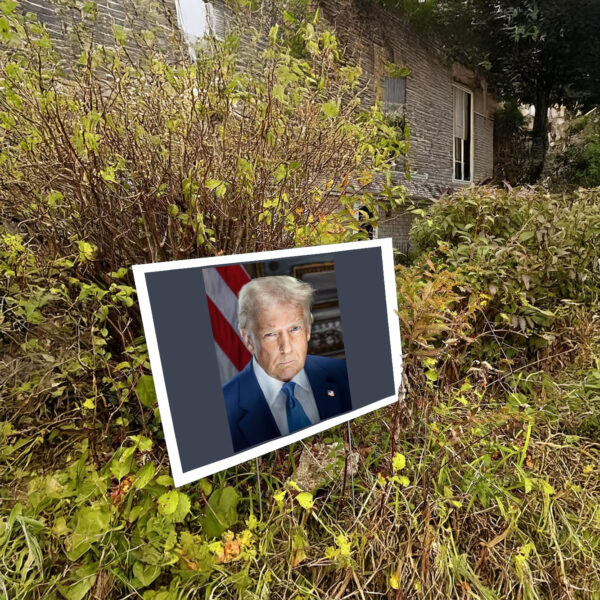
[281, 390]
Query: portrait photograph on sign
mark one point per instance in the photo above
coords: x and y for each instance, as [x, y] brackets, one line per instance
[279, 345]
[250, 353]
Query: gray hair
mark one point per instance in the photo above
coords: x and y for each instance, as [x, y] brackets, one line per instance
[262, 292]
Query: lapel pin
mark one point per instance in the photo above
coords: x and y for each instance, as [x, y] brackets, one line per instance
[330, 393]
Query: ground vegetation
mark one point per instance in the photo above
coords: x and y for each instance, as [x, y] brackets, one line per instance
[483, 481]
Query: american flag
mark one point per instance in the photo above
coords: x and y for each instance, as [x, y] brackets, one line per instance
[223, 284]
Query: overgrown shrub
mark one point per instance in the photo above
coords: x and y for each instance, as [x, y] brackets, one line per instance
[126, 158]
[149, 158]
[482, 483]
[580, 162]
[527, 253]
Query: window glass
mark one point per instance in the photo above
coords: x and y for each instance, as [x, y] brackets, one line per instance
[462, 115]
[394, 93]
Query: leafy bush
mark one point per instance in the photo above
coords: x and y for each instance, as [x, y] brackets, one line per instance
[526, 252]
[580, 163]
[149, 158]
[483, 482]
[129, 158]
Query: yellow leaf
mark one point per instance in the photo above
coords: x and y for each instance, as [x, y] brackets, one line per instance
[299, 556]
[252, 522]
[398, 462]
[86, 250]
[305, 500]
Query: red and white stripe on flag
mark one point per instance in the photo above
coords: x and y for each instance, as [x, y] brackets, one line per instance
[223, 284]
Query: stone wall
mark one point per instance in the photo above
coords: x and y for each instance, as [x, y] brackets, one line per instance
[133, 16]
[373, 37]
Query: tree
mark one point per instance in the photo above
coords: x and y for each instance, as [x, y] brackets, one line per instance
[539, 52]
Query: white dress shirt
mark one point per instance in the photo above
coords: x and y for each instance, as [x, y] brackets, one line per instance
[276, 398]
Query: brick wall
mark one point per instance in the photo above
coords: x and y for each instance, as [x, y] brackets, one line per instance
[374, 36]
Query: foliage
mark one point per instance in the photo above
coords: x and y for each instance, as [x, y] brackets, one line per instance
[485, 478]
[527, 252]
[579, 164]
[508, 120]
[511, 144]
[540, 52]
[122, 158]
[152, 158]
[483, 481]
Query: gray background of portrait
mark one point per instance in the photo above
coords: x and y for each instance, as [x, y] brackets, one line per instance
[186, 348]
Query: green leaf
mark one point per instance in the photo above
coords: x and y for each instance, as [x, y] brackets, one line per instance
[217, 186]
[121, 463]
[273, 34]
[526, 235]
[206, 486]
[183, 508]
[8, 6]
[330, 109]
[120, 35]
[144, 476]
[279, 497]
[221, 512]
[431, 374]
[91, 523]
[278, 92]
[165, 480]
[145, 391]
[280, 173]
[245, 168]
[108, 174]
[167, 503]
[145, 574]
[84, 579]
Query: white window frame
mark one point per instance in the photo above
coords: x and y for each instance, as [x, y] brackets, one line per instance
[471, 135]
[211, 14]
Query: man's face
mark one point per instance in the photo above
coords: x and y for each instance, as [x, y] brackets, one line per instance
[280, 340]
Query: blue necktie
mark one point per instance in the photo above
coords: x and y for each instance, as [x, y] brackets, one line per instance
[296, 417]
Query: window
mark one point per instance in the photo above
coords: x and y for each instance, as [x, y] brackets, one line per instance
[463, 138]
[198, 19]
[394, 94]
[365, 221]
[216, 20]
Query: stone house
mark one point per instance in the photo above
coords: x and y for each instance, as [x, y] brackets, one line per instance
[447, 107]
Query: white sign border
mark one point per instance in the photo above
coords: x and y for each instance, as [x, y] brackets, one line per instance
[139, 272]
